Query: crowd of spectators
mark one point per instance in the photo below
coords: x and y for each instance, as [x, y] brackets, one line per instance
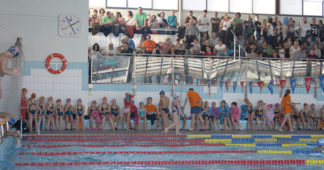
[267, 38]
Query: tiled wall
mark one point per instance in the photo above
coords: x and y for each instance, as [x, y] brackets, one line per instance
[72, 83]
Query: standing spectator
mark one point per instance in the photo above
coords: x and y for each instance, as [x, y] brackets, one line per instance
[238, 24]
[321, 29]
[304, 27]
[191, 33]
[140, 20]
[215, 21]
[161, 20]
[172, 21]
[270, 30]
[225, 27]
[278, 31]
[291, 29]
[257, 28]
[314, 29]
[203, 23]
[190, 17]
[148, 45]
[248, 25]
[130, 24]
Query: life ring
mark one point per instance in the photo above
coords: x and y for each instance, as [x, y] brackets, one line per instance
[48, 63]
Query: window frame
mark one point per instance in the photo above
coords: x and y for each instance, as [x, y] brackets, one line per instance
[153, 9]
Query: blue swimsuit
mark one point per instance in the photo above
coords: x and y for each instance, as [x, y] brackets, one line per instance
[69, 111]
[80, 111]
[60, 111]
[50, 110]
[141, 112]
[33, 111]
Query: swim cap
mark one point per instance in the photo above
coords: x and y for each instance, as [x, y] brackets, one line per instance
[105, 98]
[42, 98]
[277, 105]
[50, 98]
[11, 121]
[175, 96]
[270, 105]
[320, 142]
[14, 51]
[58, 100]
[33, 95]
[24, 90]
[162, 92]
[94, 102]
[141, 102]
[68, 100]
[79, 100]
[213, 102]
[206, 102]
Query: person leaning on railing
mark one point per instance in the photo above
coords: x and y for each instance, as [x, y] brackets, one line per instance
[148, 45]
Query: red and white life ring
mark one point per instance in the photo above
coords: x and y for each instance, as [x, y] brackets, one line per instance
[48, 63]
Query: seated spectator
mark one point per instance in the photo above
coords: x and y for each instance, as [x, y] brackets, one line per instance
[119, 20]
[191, 33]
[238, 24]
[189, 18]
[110, 50]
[240, 40]
[294, 48]
[166, 46]
[251, 39]
[196, 48]
[300, 54]
[94, 17]
[157, 49]
[312, 54]
[101, 14]
[129, 42]
[213, 39]
[95, 48]
[248, 26]
[220, 48]
[277, 42]
[317, 50]
[287, 49]
[107, 23]
[209, 52]
[179, 47]
[281, 51]
[274, 54]
[125, 49]
[205, 44]
[153, 24]
[251, 50]
[140, 20]
[148, 45]
[264, 50]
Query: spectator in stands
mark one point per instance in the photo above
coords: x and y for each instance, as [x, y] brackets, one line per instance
[94, 17]
[286, 47]
[248, 26]
[238, 24]
[240, 40]
[125, 49]
[215, 21]
[191, 33]
[314, 29]
[294, 48]
[270, 30]
[312, 55]
[225, 29]
[264, 31]
[321, 30]
[196, 48]
[101, 14]
[205, 44]
[162, 21]
[148, 45]
[179, 47]
[166, 46]
[189, 18]
[251, 50]
[140, 20]
[172, 21]
[300, 54]
[157, 49]
[153, 24]
[203, 24]
[108, 19]
[119, 20]
[95, 48]
[130, 42]
[257, 28]
[130, 19]
[209, 52]
[220, 48]
[264, 50]
[277, 42]
[251, 39]
[291, 29]
[304, 28]
[317, 50]
[213, 39]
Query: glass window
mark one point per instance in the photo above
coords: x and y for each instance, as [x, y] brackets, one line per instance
[116, 3]
[165, 4]
[243, 6]
[217, 5]
[313, 7]
[195, 5]
[97, 3]
[264, 6]
[291, 7]
[140, 3]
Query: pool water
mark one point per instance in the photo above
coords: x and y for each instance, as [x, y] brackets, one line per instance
[89, 150]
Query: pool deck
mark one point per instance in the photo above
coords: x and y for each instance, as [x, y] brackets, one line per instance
[172, 132]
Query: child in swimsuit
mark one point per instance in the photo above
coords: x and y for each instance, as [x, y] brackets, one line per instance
[176, 111]
[68, 109]
[134, 116]
[32, 112]
[104, 112]
[259, 113]
[142, 114]
[269, 115]
[249, 109]
[303, 114]
[207, 115]
[320, 123]
[94, 114]
[79, 110]
[215, 114]
[59, 114]
[235, 116]
[224, 112]
[49, 111]
[312, 117]
[127, 110]
[115, 113]
[41, 106]
[276, 112]
[294, 117]
[23, 104]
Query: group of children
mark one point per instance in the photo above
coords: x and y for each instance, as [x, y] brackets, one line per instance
[224, 117]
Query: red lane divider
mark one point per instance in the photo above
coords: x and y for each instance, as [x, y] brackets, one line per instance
[107, 135]
[188, 162]
[115, 139]
[135, 152]
[128, 145]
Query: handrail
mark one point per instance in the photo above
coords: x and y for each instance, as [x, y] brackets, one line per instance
[199, 56]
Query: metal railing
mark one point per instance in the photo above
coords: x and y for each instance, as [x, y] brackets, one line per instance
[197, 69]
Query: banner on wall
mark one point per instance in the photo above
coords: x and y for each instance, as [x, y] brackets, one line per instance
[321, 79]
[308, 82]
[221, 84]
[250, 86]
[242, 85]
[234, 85]
[226, 85]
[215, 82]
[166, 79]
[282, 84]
[270, 86]
[293, 84]
[260, 84]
